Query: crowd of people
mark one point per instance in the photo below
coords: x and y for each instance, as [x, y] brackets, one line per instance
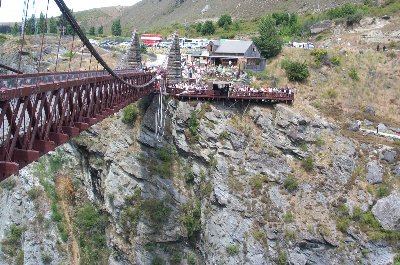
[229, 89]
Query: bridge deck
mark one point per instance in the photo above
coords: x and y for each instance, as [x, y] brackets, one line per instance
[238, 95]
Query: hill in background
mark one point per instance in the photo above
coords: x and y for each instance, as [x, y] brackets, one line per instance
[148, 14]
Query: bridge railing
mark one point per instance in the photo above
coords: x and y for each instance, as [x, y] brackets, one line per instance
[12, 81]
[34, 119]
[280, 96]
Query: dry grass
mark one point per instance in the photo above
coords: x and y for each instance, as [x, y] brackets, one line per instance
[332, 91]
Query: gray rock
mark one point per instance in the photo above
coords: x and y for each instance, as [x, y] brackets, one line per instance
[396, 170]
[367, 123]
[387, 211]
[370, 110]
[296, 258]
[382, 127]
[389, 155]
[374, 172]
[321, 26]
[353, 126]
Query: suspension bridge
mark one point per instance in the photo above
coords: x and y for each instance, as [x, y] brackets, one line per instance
[42, 110]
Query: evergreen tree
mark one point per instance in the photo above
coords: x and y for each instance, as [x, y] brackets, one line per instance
[208, 28]
[198, 27]
[269, 42]
[15, 29]
[30, 25]
[224, 21]
[42, 27]
[116, 28]
[68, 29]
[52, 25]
[100, 30]
[92, 31]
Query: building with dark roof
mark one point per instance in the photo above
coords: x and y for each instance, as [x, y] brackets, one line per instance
[243, 54]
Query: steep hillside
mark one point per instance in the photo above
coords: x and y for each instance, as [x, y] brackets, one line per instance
[152, 13]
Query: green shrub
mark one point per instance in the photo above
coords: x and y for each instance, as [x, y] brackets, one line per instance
[308, 163]
[295, 71]
[8, 184]
[319, 141]
[156, 212]
[129, 219]
[332, 93]
[382, 191]
[158, 261]
[369, 219]
[397, 259]
[223, 136]
[11, 244]
[91, 224]
[291, 183]
[335, 60]
[19, 259]
[191, 260]
[176, 259]
[34, 193]
[288, 217]
[342, 224]
[357, 213]
[232, 250]
[342, 11]
[188, 174]
[257, 182]
[354, 74]
[130, 114]
[69, 55]
[191, 218]
[282, 257]
[3, 39]
[321, 56]
[46, 258]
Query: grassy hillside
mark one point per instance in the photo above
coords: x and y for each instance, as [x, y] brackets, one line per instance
[149, 14]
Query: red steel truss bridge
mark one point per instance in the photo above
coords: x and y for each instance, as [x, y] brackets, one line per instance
[40, 111]
[43, 110]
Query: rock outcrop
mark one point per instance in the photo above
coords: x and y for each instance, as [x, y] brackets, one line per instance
[233, 185]
[387, 212]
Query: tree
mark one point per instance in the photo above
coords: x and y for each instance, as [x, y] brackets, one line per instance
[296, 71]
[68, 29]
[92, 31]
[30, 25]
[42, 27]
[116, 28]
[224, 21]
[52, 25]
[269, 42]
[208, 28]
[100, 30]
[198, 27]
[15, 29]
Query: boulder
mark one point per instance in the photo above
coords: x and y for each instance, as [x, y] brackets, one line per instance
[382, 127]
[296, 258]
[374, 172]
[321, 26]
[389, 155]
[396, 170]
[353, 126]
[387, 211]
[370, 110]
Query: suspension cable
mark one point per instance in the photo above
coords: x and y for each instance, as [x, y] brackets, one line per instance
[71, 53]
[23, 34]
[10, 68]
[64, 9]
[42, 42]
[59, 44]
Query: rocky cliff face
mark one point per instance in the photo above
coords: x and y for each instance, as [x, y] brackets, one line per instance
[229, 184]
